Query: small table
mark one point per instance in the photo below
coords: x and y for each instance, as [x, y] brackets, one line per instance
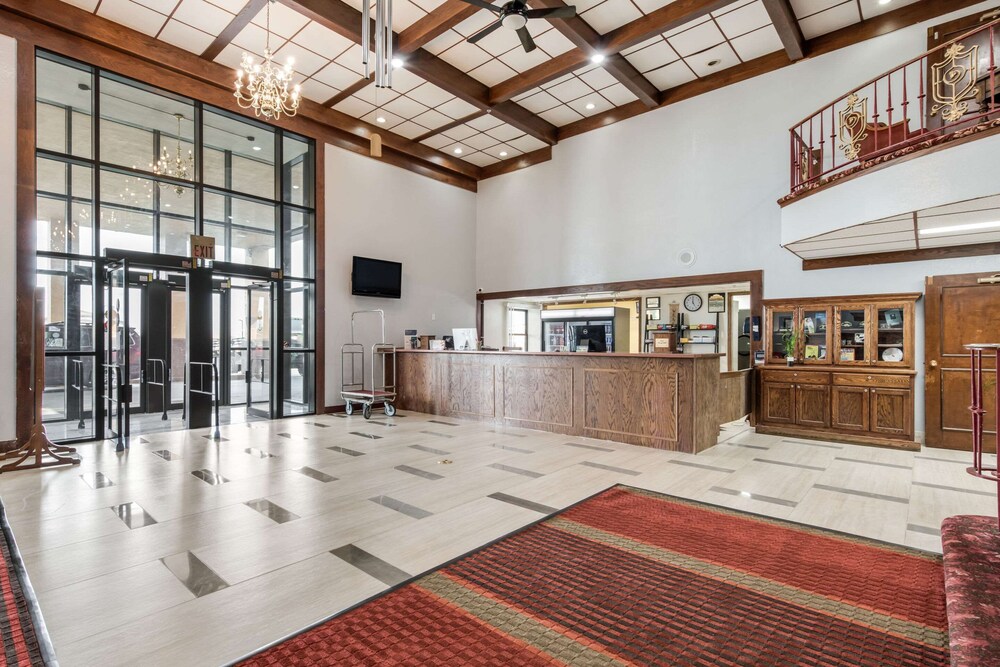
[976, 408]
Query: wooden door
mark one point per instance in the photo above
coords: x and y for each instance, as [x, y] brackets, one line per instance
[890, 411]
[850, 408]
[812, 405]
[778, 403]
[959, 310]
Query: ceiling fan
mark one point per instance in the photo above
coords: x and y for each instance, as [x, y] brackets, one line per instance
[514, 15]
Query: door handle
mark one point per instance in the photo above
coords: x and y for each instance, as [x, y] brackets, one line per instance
[933, 363]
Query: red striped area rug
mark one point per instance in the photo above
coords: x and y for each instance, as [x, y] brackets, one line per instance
[630, 577]
[19, 641]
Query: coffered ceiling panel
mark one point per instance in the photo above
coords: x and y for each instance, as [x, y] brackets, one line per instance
[585, 92]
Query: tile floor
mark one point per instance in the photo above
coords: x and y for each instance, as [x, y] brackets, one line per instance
[188, 552]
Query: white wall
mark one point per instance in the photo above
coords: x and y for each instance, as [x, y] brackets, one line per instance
[619, 203]
[377, 210]
[8, 233]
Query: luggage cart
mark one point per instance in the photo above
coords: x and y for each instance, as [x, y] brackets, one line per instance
[352, 374]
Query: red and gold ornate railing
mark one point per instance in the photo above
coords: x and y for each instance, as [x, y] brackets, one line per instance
[949, 91]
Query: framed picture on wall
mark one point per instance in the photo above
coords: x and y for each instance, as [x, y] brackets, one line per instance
[652, 314]
[717, 303]
[652, 302]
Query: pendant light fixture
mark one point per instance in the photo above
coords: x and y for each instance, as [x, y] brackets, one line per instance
[268, 89]
[383, 42]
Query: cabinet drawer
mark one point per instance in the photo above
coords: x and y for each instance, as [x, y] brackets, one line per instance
[864, 380]
[796, 377]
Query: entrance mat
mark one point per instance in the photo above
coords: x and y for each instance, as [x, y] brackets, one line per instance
[631, 577]
[22, 632]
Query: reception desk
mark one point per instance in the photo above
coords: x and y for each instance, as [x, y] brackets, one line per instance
[666, 401]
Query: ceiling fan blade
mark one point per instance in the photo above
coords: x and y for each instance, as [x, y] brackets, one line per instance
[483, 4]
[485, 31]
[566, 12]
[526, 41]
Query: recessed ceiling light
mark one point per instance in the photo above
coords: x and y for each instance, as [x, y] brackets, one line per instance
[960, 228]
[397, 63]
[458, 151]
[167, 205]
[713, 63]
[597, 58]
[590, 105]
[884, 2]
[295, 187]
[380, 119]
[503, 153]
[256, 148]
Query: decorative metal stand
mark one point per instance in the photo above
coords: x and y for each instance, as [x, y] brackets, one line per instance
[978, 469]
[38, 451]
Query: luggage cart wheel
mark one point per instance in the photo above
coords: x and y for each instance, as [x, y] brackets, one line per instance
[349, 408]
[367, 412]
[390, 409]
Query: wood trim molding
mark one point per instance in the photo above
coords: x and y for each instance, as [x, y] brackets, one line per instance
[26, 230]
[319, 344]
[239, 22]
[897, 256]
[514, 164]
[787, 26]
[450, 126]
[355, 87]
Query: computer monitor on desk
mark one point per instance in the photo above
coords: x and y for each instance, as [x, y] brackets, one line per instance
[593, 336]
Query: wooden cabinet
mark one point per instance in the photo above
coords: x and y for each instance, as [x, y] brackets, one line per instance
[853, 379]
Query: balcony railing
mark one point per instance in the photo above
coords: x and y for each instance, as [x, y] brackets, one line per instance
[948, 92]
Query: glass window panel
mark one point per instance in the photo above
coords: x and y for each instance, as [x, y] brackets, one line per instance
[249, 236]
[138, 125]
[125, 229]
[299, 383]
[298, 171]
[175, 235]
[60, 88]
[242, 155]
[298, 239]
[51, 176]
[298, 329]
[68, 400]
[69, 304]
[63, 226]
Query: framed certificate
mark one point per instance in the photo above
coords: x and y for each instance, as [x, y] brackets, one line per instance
[652, 302]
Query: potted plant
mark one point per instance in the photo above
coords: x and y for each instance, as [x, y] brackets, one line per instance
[789, 339]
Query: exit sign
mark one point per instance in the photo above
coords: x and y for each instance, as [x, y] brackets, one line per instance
[202, 247]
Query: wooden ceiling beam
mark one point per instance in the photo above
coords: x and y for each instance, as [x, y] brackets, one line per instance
[787, 26]
[346, 21]
[235, 27]
[520, 162]
[434, 24]
[675, 14]
[589, 41]
[355, 87]
[450, 126]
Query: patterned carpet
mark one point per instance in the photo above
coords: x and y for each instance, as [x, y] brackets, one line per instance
[631, 577]
[17, 629]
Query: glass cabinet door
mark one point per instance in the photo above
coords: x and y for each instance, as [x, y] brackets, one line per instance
[852, 335]
[815, 334]
[891, 345]
[780, 325]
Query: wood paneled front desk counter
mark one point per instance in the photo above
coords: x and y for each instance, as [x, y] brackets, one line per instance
[667, 401]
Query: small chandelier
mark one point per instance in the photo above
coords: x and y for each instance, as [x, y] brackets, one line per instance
[266, 90]
[383, 42]
[175, 167]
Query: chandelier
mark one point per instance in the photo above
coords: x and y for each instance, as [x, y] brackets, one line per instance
[266, 90]
[383, 42]
[177, 167]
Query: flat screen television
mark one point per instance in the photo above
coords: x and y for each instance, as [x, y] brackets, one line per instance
[376, 277]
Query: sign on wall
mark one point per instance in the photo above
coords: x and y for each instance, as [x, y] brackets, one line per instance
[716, 303]
[202, 247]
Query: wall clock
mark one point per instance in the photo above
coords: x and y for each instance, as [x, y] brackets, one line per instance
[693, 302]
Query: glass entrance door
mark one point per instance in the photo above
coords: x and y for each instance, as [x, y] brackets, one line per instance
[260, 299]
[118, 350]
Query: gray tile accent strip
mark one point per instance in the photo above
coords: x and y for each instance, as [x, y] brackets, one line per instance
[388, 574]
[271, 511]
[259, 453]
[512, 449]
[400, 506]
[438, 421]
[315, 474]
[755, 496]
[873, 463]
[440, 435]
[974, 492]
[289, 436]
[521, 502]
[583, 446]
[376, 422]
[209, 476]
[370, 436]
[811, 443]
[513, 435]
[623, 471]
[518, 471]
[699, 465]
[97, 480]
[165, 454]
[132, 515]
[418, 472]
[865, 494]
[199, 578]
[739, 444]
[439, 452]
[345, 450]
[934, 458]
[321, 425]
[926, 530]
[221, 439]
[790, 465]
